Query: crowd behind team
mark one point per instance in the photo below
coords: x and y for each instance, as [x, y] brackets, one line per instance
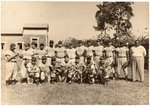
[82, 64]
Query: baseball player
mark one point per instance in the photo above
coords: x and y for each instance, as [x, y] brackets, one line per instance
[79, 68]
[90, 71]
[60, 52]
[80, 51]
[50, 51]
[98, 52]
[11, 65]
[26, 56]
[33, 72]
[55, 72]
[44, 70]
[89, 50]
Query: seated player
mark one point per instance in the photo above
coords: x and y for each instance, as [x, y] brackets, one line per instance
[55, 72]
[90, 71]
[33, 72]
[44, 70]
[67, 70]
[104, 70]
[79, 68]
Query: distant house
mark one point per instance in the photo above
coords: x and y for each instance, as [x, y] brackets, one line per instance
[37, 33]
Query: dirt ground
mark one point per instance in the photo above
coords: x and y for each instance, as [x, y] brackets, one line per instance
[115, 93]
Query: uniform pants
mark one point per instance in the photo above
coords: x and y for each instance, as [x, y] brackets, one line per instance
[137, 67]
[60, 60]
[11, 70]
[120, 63]
[110, 60]
[23, 69]
[96, 59]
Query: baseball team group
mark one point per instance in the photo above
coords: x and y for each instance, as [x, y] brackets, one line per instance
[99, 63]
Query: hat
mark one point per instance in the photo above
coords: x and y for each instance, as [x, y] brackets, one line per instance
[51, 41]
[27, 45]
[43, 57]
[60, 42]
[12, 45]
[33, 58]
[53, 59]
[88, 57]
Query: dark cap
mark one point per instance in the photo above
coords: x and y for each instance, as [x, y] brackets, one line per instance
[33, 58]
[60, 42]
[53, 59]
[27, 44]
[43, 57]
[51, 41]
[12, 45]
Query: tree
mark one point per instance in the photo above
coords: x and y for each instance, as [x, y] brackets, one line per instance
[114, 14]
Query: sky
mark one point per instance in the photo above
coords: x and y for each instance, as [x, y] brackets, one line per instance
[65, 19]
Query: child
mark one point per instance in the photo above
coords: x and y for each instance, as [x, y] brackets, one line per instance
[33, 72]
[44, 70]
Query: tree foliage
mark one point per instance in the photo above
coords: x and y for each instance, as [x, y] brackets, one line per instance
[116, 14]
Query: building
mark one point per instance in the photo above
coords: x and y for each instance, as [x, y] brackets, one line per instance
[37, 33]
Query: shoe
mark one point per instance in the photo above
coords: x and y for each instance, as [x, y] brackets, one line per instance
[7, 82]
[126, 78]
[70, 82]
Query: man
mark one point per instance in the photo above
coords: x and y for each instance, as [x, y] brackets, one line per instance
[71, 53]
[11, 65]
[79, 68]
[33, 72]
[109, 52]
[33, 49]
[90, 72]
[44, 70]
[26, 56]
[60, 52]
[89, 50]
[40, 53]
[122, 56]
[80, 50]
[137, 61]
[98, 52]
[50, 51]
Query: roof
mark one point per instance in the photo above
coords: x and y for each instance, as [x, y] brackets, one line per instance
[11, 34]
[36, 26]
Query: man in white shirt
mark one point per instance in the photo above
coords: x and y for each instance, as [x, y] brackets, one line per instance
[80, 50]
[60, 52]
[137, 61]
[11, 65]
[50, 51]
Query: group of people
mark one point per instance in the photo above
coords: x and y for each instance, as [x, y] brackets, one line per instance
[82, 64]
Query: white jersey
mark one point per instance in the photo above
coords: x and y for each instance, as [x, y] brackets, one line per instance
[109, 51]
[41, 53]
[80, 50]
[99, 50]
[71, 53]
[50, 51]
[27, 54]
[10, 54]
[89, 50]
[60, 52]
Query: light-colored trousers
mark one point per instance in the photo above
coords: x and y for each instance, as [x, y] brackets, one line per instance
[137, 67]
[110, 60]
[11, 70]
[23, 70]
[120, 63]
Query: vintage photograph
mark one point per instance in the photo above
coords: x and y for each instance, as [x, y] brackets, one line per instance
[74, 53]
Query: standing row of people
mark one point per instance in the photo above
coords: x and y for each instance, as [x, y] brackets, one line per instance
[98, 61]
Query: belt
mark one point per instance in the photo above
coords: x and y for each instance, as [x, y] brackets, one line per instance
[108, 56]
[13, 61]
[26, 59]
[122, 56]
[137, 57]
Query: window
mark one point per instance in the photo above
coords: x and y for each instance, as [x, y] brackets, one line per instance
[35, 40]
[19, 45]
[2, 46]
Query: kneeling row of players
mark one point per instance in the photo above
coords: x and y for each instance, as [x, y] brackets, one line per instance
[67, 72]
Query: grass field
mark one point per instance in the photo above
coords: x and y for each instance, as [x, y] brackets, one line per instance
[115, 93]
